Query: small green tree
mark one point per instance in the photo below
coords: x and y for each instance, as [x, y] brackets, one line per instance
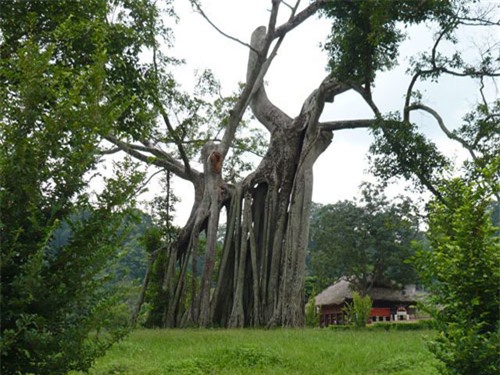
[462, 272]
[358, 312]
[312, 313]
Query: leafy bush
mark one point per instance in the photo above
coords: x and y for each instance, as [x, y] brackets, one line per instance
[312, 314]
[358, 312]
[57, 237]
[462, 272]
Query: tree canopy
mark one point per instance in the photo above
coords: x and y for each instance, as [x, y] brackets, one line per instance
[367, 242]
[62, 69]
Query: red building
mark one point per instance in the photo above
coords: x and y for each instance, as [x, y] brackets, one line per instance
[387, 304]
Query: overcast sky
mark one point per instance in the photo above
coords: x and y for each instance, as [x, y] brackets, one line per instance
[297, 71]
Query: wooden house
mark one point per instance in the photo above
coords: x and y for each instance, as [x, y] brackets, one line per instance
[387, 304]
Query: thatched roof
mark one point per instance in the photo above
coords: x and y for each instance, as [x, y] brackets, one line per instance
[337, 293]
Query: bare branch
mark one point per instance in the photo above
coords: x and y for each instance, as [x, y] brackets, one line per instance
[347, 124]
[257, 69]
[272, 19]
[299, 18]
[110, 151]
[177, 141]
[483, 97]
[331, 87]
[265, 111]
[255, 61]
[419, 73]
[443, 127]
[132, 151]
[368, 99]
[406, 113]
[477, 21]
[160, 158]
[437, 69]
[315, 102]
[202, 13]
[145, 183]
[288, 5]
[166, 119]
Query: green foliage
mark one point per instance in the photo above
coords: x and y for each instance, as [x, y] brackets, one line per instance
[358, 312]
[155, 241]
[156, 295]
[133, 257]
[368, 242]
[481, 130]
[311, 285]
[60, 65]
[76, 35]
[312, 314]
[365, 34]
[462, 272]
[399, 150]
[53, 297]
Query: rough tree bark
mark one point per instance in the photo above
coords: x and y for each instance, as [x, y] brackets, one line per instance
[258, 278]
[259, 281]
[273, 228]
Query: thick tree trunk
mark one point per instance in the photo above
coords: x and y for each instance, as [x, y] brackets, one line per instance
[261, 269]
[260, 275]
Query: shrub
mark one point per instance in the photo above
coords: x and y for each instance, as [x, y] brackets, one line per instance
[462, 272]
[358, 312]
[312, 314]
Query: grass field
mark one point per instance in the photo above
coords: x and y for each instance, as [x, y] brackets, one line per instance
[308, 351]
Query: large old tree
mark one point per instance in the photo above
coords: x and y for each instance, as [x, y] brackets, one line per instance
[257, 278]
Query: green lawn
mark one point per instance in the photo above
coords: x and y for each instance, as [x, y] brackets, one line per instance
[308, 351]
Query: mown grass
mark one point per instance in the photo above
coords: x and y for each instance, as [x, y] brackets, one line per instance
[308, 351]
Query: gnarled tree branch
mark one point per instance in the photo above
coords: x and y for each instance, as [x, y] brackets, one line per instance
[202, 13]
[160, 158]
[443, 127]
[295, 21]
[265, 111]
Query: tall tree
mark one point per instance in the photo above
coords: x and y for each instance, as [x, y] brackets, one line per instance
[259, 277]
[368, 243]
[62, 69]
